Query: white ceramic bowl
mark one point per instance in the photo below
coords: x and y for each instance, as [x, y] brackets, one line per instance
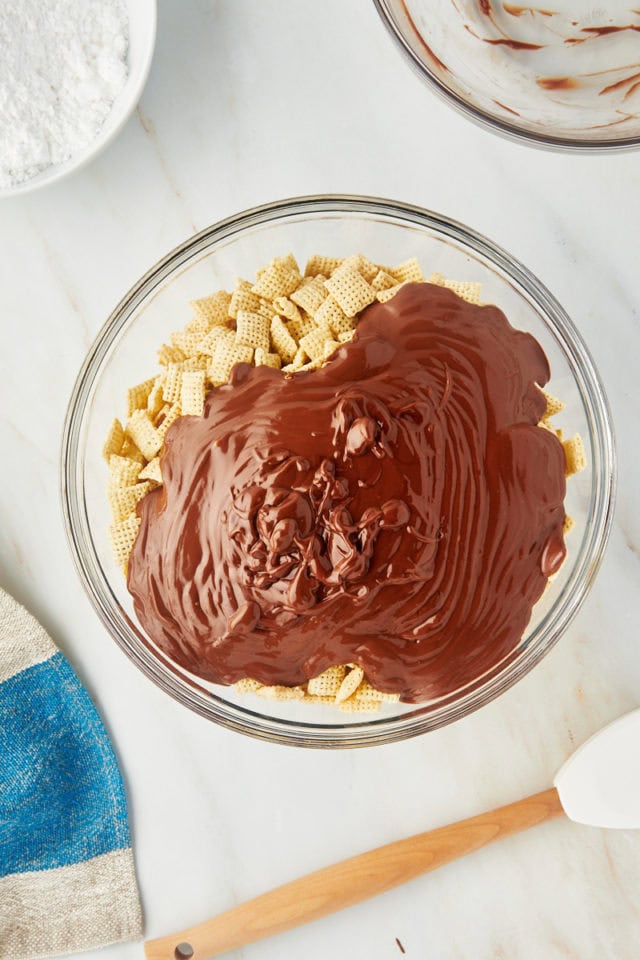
[142, 39]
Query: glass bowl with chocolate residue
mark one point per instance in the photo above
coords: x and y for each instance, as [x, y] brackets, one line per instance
[564, 75]
[387, 232]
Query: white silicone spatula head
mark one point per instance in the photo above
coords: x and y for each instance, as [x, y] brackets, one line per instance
[600, 783]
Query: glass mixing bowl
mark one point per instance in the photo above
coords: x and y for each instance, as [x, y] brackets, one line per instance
[124, 354]
[566, 77]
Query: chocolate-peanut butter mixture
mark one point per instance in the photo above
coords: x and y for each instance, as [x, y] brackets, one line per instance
[398, 508]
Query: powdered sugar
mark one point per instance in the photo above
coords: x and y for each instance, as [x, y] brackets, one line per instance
[62, 65]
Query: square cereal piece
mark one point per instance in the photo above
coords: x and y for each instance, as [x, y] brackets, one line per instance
[143, 433]
[313, 344]
[364, 267]
[190, 343]
[554, 405]
[131, 451]
[334, 316]
[197, 325]
[297, 364]
[300, 358]
[385, 295]
[152, 471]
[123, 536]
[266, 309]
[114, 440]
[123, 500]
[300, 328]
[252, 330]
[137, 396]
[290, 261]
[226, 356]
[366, 692]
[122, 471]
[350, 290]
[329, 347]
[327, 683]
[199, 362]
[350, 684]
[568, 524]
[324, 265]
[345, 336]
[167, 355]
[192, 393]
[409, 271]
[172, 382]
[574, 454]
[243, 298]
[208, 344]
[286, 308]
[282, 340]
[155, 400]
[310, 295]
[312, 364]
[464, 289]
[170, 417]
[187, 342]
[323, 328]
[246, 685]
[280, 278]
[262, 359]
[359, 706]
[383, 281]
[280, 693]
[213, 309]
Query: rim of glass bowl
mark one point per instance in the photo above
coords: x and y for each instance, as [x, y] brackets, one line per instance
[486, 120]
[369, 732]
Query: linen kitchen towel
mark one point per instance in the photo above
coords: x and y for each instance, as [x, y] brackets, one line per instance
[67, 877]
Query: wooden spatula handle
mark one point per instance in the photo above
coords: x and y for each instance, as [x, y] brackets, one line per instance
[351, 881]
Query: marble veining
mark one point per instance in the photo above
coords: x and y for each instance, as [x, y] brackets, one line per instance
[248, 103]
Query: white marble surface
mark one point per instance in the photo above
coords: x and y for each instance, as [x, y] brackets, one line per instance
[249, 102]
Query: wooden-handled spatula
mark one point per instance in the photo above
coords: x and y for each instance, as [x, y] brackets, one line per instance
[598, 785]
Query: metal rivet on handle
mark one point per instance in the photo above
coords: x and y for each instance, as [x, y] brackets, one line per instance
[184, 951]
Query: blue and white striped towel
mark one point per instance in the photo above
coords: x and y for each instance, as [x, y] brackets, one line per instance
[67, 877]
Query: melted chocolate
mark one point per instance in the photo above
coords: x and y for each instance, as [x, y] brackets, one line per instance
[630, 81]
[512, 44]
[398, 508]
[504, 41]
[437, 62]
[606, 31]
[516, 11]
[505, 107]
[557, 83]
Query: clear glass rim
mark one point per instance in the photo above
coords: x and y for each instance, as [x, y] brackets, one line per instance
[504, 127]
[370, 732]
